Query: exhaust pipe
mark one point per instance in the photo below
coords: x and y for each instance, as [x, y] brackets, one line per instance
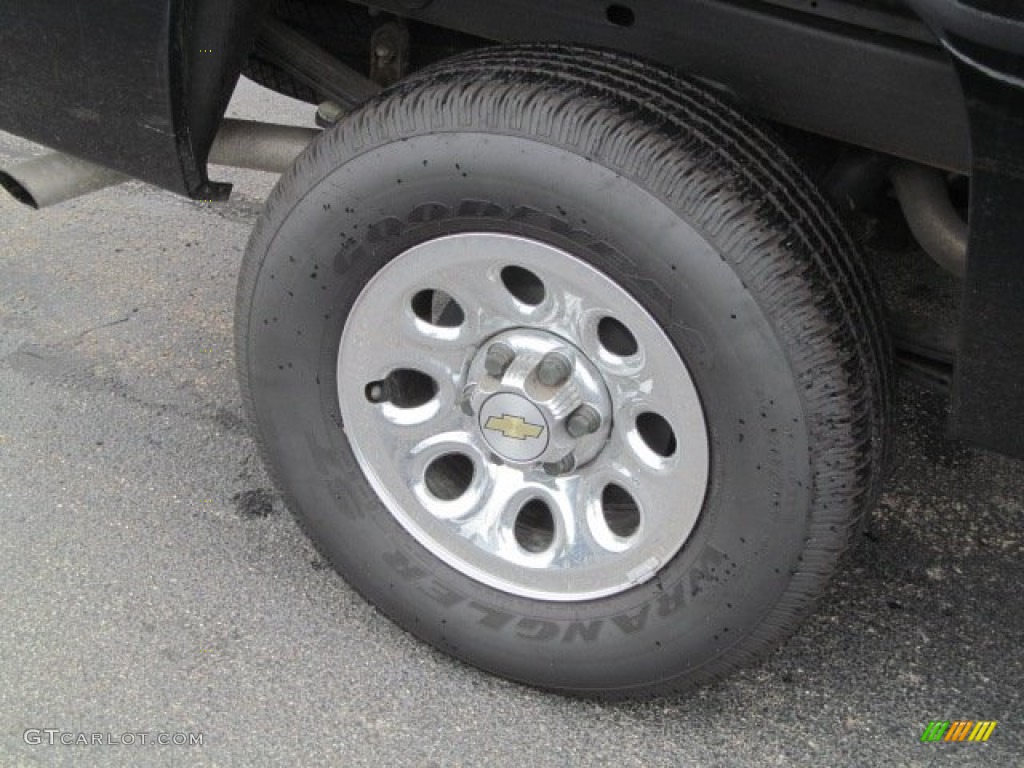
[54, 178]
[51, 179]
[935, 223]
[259, 146]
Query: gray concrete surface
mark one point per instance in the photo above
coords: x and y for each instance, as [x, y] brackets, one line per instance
[152, 581]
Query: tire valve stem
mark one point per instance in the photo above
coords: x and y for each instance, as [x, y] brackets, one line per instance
[585, 420]
[554, 369]
[499, 358]
[376, 392]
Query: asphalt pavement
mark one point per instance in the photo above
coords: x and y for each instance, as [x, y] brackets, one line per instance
[151, 581]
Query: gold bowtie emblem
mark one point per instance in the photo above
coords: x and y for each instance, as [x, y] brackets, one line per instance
[514, 427]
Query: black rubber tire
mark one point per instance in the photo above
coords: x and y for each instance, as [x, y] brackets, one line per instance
[779, 323]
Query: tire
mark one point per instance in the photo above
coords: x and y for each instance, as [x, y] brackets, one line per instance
[562, 226]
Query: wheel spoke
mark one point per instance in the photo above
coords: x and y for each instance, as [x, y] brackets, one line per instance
[488, 305]
[485, 524]
[446, 472]
[412, 437]
[569, 503]
[401, 343]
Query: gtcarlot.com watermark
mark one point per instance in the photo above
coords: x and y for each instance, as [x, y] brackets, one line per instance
[54, 737]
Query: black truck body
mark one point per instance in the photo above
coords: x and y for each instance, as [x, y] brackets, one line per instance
[141, 87]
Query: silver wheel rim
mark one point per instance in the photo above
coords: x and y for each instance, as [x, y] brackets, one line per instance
[523, 417]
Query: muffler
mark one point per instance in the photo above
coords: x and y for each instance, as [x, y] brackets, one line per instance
[51, 179]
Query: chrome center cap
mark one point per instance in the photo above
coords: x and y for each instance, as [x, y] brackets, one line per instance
[538, 400]
[514, 427]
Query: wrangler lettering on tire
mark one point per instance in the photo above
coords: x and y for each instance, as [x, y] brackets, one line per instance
[567, 367]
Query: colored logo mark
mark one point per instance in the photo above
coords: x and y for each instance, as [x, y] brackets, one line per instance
[514, 427]
[958, 730]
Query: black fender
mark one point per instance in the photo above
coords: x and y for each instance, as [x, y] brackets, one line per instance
[985, 40]
[139, 87]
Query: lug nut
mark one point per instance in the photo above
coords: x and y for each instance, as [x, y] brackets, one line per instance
[585, 420]
[560, 467]
[499, 358]
[554, 370]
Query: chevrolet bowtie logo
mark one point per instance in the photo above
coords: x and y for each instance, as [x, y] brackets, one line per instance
[514, 427]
